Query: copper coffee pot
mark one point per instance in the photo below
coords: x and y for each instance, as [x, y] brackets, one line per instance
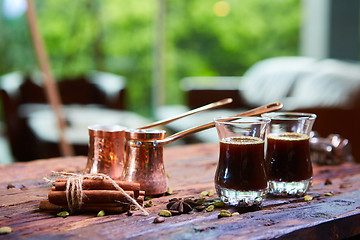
[144, 152]
[107, 143]
[106, 150]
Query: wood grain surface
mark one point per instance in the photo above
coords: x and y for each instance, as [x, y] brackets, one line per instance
[191, 170]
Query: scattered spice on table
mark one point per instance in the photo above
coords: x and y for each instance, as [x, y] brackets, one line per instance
[149, 204]
[208, 193]
[219, 204]
[210, 208]
[63, 214]
[159, 220]
[101, 213]
[308, 198]
[200, 208]
[165, 213]
[204, 193]
[203, 229]
[328, 182]
[169, 191]
[180, 205]
[224, 213]
[5, 230]
[344, 185]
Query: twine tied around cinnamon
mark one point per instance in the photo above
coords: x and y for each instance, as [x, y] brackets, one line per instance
[74, 193]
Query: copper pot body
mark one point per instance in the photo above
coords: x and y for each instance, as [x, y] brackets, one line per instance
[106, 150]
[144, 160]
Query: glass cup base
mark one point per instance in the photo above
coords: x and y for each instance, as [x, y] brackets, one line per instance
[240, 198]
[286, 189]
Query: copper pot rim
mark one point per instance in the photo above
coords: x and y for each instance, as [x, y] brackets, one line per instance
[106, 131]
[144, 134]
[106, 128]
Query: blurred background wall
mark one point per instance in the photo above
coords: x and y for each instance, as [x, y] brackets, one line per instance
[200, 38]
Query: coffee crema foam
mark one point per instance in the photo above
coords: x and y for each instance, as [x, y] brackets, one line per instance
[244, 140]
[288, 136]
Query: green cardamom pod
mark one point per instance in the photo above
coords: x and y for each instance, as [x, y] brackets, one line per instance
[165, 213]
[169, 191]
[101, 213]
[210, 208]
[308, 198]
[210, 193]
[200, 201]
[5, 230]
[146, 198]
[204, 193]
[148, 204]
[63, 214]
[225, 213]
[219, 204]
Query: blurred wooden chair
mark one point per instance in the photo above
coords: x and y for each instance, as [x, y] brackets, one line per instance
[203, 90]
[21, 95]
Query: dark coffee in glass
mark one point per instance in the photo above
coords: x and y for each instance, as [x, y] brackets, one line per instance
[288, 157]
[288, 160]
[241, 164]
[240, 178]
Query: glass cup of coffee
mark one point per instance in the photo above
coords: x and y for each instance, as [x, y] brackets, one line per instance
[240, 178]
[288, 162]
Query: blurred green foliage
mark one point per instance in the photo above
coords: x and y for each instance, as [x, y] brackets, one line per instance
[118, 36]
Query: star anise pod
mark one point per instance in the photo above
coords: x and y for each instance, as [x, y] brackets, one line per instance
[180, 205]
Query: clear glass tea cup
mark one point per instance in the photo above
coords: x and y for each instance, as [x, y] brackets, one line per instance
[240, 178]
[288, 162]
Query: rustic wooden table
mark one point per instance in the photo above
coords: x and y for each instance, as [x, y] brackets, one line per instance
[191, 169]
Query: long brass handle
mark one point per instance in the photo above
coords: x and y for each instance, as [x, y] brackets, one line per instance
[256, 111]
[197, 110]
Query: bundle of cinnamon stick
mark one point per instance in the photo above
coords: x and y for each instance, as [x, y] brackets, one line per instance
[96, 195]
